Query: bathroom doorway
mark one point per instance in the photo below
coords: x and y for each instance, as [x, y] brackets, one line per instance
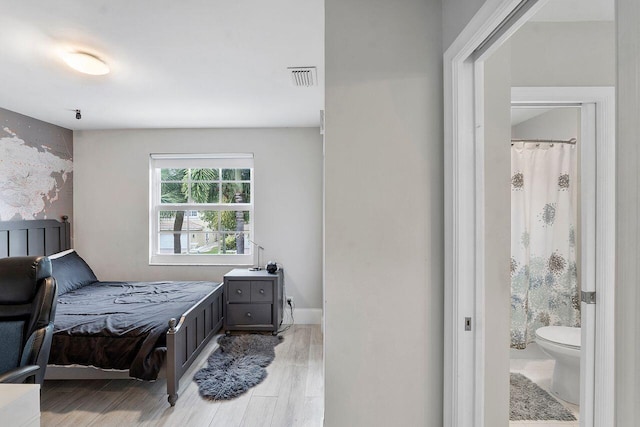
[474, 318]
[545, 338]
[594, 239]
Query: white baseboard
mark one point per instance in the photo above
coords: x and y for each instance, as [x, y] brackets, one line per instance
[304, 316]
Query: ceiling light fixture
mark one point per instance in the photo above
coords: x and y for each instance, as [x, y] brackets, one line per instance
[86, 63]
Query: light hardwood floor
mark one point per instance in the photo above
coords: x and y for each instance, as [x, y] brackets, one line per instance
[291, 395]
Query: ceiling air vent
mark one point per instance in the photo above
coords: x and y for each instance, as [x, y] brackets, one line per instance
[303, 76]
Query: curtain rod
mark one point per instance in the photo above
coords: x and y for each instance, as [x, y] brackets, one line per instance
[554, 141]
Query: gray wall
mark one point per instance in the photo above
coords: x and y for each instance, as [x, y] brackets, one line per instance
[112, 201]
[384, 213]
[564, 54]
[497, 236]
[627, 360]
[559, 123]
[456, 14]
[36, 178]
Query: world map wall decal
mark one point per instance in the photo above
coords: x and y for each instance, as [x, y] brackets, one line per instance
[35, 176]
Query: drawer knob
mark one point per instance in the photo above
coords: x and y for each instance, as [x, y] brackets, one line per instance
[248, 314]
[239, 291]
[262, 291]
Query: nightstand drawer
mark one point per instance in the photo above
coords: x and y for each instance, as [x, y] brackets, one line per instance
[239, 291]
[262, 291]
[249, 314]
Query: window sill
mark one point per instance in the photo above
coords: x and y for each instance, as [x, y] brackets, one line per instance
[202, 264]
[206, 260]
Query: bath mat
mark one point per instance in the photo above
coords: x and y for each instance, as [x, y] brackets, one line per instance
[237, 365]
[529, 402]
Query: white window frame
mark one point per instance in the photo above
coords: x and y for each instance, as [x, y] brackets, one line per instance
[184, 161]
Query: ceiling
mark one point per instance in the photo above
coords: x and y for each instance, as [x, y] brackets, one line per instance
[179, 64]
[174, 64]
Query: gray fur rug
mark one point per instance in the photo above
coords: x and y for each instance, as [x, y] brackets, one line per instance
[529, 402]
[237, 365]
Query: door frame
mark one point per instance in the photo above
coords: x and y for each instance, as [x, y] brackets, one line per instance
[464, 351]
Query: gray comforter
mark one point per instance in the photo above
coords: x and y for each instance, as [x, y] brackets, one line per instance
[121, 325]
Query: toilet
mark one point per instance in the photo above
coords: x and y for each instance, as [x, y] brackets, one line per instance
[563, 344]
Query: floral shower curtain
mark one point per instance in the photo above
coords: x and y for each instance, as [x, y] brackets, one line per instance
[544, 274]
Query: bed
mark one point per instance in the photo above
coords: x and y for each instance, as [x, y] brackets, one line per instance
[145, 330]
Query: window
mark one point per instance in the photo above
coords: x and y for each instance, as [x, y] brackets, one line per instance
[201, 209]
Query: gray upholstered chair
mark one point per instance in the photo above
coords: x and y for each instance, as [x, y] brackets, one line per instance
[28, 297]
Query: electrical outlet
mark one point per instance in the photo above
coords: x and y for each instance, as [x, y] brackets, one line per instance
[289, 300]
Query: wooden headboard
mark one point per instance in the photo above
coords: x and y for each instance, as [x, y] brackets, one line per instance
[34, 237]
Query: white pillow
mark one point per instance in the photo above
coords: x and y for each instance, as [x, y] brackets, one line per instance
[60, 254]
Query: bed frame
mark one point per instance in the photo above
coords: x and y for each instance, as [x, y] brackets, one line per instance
[186, 337]
[34, 237]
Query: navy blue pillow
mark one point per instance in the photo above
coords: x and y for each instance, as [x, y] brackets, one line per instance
[71, 272]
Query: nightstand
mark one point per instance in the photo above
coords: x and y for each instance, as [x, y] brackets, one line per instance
[253, 300]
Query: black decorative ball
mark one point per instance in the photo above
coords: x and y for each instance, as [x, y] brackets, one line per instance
[272, 267]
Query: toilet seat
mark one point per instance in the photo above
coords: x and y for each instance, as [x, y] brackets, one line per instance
[560, 335]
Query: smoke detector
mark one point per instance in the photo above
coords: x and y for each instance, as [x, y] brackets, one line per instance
[303, 76]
